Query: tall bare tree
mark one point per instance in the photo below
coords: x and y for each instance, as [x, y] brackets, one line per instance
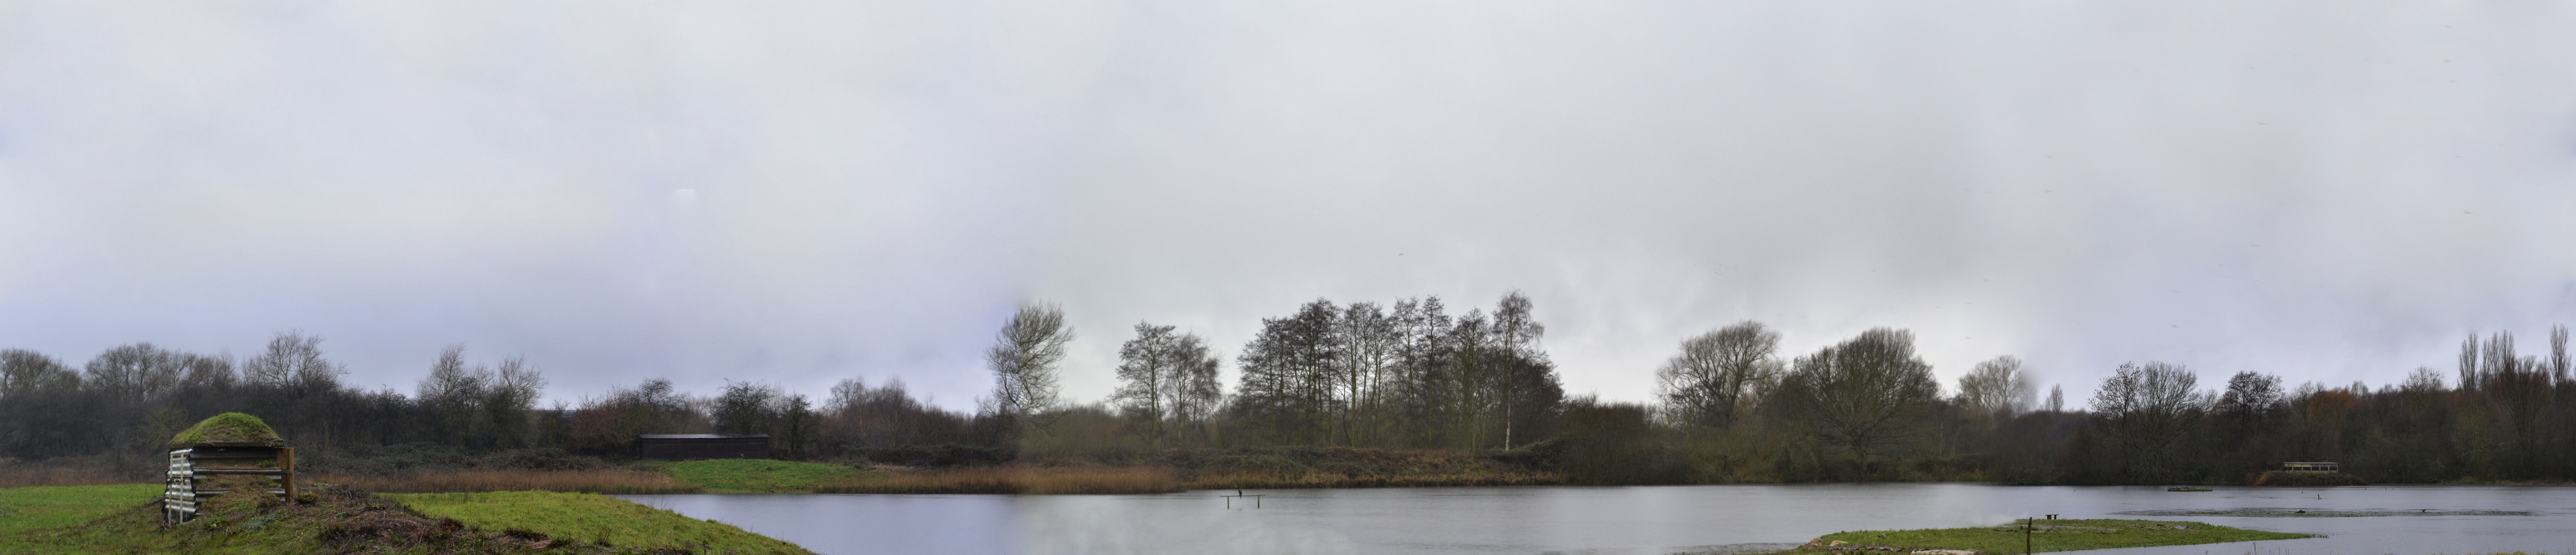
[293, 361]
[2558, 363]
[1197, 391]
[1288, 369]
[2146, 410]
[1024, 360]
[1998, 386]
[1368, 339]
[1149, 368]
[133, 373]
[1866, 394]
[1712, 379]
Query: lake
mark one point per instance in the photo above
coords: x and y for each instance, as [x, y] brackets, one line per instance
[1622, 520]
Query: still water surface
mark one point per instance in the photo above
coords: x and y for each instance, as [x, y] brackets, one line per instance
[1612, 520]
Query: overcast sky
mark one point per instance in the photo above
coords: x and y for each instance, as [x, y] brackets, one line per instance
[800, 192]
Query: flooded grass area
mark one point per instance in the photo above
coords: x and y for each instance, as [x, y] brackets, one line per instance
[2043, 535]
[2293, 512]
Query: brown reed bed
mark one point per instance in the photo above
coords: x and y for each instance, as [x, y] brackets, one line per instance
[609, 481]
[1013, 480]
[1265, 480]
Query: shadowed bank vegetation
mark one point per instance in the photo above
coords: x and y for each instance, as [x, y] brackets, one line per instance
[342, 519]
[1331, 395]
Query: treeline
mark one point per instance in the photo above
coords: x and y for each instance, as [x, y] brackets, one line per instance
[1729, 407]
[119, 407]
[1868, 409]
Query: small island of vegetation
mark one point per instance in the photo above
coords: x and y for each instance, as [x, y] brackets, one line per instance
[2038, 536]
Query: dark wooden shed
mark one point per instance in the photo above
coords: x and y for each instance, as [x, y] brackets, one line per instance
[681, 447]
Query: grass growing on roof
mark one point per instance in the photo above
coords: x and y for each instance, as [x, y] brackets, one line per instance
[2047, 535]
[26, 509]
[231, 428]
[755, 475]
[592, 517]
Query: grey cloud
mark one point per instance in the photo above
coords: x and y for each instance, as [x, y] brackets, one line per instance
[2328, 191]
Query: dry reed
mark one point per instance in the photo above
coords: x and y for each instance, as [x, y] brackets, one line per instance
[17, 476]
[1121, 480]
[582, 481]
[1267, 480]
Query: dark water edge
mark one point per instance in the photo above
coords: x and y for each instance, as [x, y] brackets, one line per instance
[1646, 520]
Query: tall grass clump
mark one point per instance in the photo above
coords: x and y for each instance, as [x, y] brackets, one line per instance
[1003, 480]
[607, 481]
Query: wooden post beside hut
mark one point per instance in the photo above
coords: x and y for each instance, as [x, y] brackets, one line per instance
[230, 444]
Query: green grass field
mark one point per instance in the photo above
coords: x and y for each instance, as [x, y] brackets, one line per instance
[594, 518]
[755, 475]
[23, 510]
[82, 520]
[2049, 535]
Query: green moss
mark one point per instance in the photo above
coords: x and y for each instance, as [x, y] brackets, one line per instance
[592, 517]
[754, 475]
[229, 429]
[2048, 535]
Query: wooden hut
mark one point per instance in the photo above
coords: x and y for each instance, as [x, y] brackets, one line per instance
[230, 444]
[2313, 466]
[682, 447]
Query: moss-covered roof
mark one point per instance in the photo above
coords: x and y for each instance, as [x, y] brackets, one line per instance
[231, 429]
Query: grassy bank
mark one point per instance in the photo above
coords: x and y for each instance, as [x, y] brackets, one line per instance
[2047, 535]
[24, 510]
[755, 475]
[122, 519]
[575, 481]
[594, 518]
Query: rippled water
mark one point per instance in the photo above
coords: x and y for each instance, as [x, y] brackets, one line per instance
[1626, 520]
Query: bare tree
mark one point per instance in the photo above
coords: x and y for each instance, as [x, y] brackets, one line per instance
[207, 372]
[1865, 394]
[1368, 338]
[1023, 359]
[2056, 398]
[133, 373]
[293, 360]
[1708, 383]
[24, 373]
[2252, 398]
[1999, 386]
[1197, 392]
[2146, 410]
[454, 392]
[2558, 363]
[509, 395]
[1149, 367]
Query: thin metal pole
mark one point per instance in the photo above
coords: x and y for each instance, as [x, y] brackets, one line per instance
[2025, 535]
